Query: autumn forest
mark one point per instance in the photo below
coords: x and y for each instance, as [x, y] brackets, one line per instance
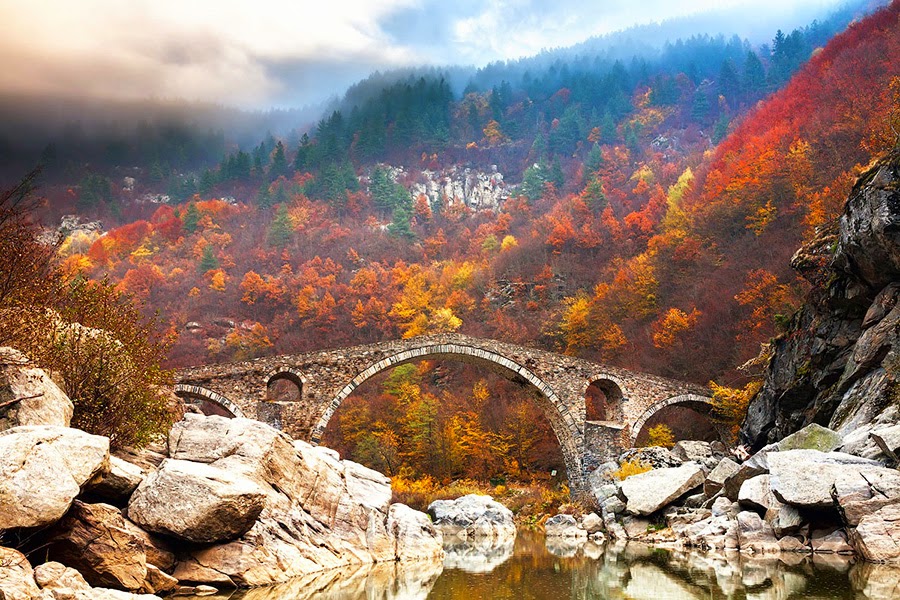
[639, 211]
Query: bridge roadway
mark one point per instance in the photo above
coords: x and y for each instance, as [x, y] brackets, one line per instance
[325, 378]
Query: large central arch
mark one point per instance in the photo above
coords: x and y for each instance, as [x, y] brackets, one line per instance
[567, 431]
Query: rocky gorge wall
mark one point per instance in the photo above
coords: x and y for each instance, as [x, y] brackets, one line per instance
[839, 363]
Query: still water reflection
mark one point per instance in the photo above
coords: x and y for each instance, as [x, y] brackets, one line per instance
[530, 569]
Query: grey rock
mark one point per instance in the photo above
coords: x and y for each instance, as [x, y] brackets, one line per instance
[758, 464]
[592, 523]
[694, 450]
[804, 478]
[888, 439]
[785, 519]
[614, 505]
[861, 493]
[877, 537]
[564, 526]
[755, 535]
[117, 484]
[649, 492]
[812, 437]
[830, 542]
[472, 516]
[756, 494]
[656, 457]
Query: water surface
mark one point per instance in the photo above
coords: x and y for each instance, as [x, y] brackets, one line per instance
[531, 569]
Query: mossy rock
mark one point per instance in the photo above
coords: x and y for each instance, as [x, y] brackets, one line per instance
[812, 437]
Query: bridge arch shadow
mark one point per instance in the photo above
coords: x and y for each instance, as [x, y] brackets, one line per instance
[284, 383]
[701, 404]
[567, 431]
[210, 402]
[603, 399]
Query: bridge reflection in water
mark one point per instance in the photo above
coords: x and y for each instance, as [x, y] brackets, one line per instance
[322, 380]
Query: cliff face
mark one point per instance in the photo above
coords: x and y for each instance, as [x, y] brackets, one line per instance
[839, 364]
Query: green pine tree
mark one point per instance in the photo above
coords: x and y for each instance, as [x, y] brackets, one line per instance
[191, 218]
[208, 260]
[280, 232]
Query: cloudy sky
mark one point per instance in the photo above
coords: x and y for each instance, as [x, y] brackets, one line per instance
[262, 53]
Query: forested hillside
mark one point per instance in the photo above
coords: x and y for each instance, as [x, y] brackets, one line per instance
[641, 213]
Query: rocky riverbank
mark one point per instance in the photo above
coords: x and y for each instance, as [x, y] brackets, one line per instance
[224, 502]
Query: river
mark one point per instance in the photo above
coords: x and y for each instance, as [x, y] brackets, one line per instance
[530, 569]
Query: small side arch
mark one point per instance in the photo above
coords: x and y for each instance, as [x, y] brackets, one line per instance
[276, 392]
[688, 400]
[187, 391]
[604, 397]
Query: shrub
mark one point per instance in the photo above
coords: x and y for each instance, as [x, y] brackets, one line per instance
[91, 337]
[631, 467]
[661, 435]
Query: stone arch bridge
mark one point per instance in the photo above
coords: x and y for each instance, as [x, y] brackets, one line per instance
[323, 379]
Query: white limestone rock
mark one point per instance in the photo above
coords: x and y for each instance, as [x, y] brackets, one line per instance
[804, 478]
[28, 396]
[42, 470]
[648, 492]
[564, 526]
[196, 502]
[472, 516]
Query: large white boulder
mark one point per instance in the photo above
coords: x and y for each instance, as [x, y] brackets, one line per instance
[472, 516]
[42, 470]
[648, 492]
[196, 502]
[28, 396]
[804, 478]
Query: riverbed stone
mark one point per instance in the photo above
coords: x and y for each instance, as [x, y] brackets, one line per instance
[196, 502]
[592, 523]
[754, 534]
[648, 492]
[833, 541]
[757, 464]
[565, 526]
[756, 493]
[804, 478]
[416, 536]
[27, 394]
[692, 450]
[861, 494]
[42, 470]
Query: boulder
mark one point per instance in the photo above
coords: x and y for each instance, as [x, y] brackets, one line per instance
[472, 516]
[655, 456]
[862, 493]
[16, 576]
[28, 396]
[416, 537]
[716, 478]
[877, 537]
[888, 439]
[692, 450]
[785, 519]
[592, 523]
[756, 494]
[564, 526]
[812, 437]
[196, 502]
[95, 540]
[118, 483]
[758, 464]
[42, 470]
[648, 492]
[804, 478]
[830, 541]
[56, 576]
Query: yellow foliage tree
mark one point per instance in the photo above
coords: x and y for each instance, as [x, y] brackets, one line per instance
[661, 435]
[730, 404]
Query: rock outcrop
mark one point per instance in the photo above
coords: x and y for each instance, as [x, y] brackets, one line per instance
[840, 362]
[648, 492]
